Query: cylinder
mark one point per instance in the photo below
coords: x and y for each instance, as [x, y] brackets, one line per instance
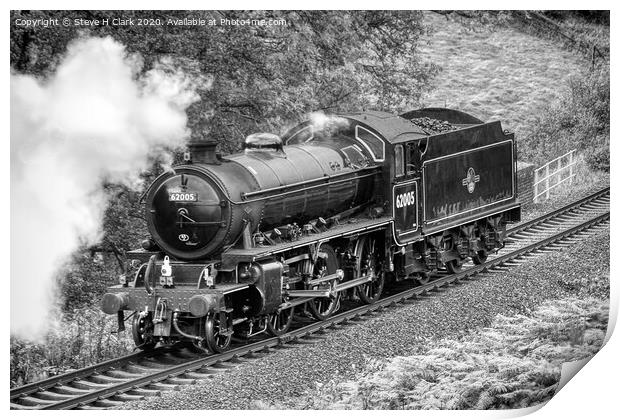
[111, 303]
[200, 305]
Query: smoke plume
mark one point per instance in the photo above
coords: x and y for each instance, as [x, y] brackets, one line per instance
[93, 121]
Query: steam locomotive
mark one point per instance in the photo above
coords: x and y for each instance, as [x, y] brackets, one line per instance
[295, 224]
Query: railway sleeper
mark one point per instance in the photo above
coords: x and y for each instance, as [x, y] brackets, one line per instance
[221, 365]
[591, 206]
[144, 392]
[15, 406]
[88, 385]
[125, 397]
[554, 222]
[512, 263]
[138, 369]
[543, 229]
[89, 407]
[31, 401]
[105, 379]
[106, 403]
[213, 369]
[498, 270]
[145, 363]
[175, 380]
[68, 390]
[123, 374]
[51, 396]
[198, 375]
[170, 359]
[160, 386]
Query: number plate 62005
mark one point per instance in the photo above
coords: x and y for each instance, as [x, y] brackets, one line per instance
[185, 196]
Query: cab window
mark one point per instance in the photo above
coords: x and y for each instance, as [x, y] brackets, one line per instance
[413, 158]
[399, 161]
[302, 136]
[372, 142]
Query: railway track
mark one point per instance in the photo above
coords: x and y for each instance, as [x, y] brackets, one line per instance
[139, 375]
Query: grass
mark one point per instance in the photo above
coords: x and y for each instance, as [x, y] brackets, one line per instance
[496, 73]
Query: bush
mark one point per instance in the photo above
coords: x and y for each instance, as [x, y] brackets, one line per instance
[579, 120]
[84, 280]
[81, 338]
[597, 155]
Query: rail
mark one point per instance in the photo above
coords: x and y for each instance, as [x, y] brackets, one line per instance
[543, 177]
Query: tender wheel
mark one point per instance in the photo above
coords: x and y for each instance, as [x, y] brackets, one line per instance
[142, 331]
[480, 257]
[280, 322]
[366, 257]
[216, 341]
[454, 266]
[322, 308]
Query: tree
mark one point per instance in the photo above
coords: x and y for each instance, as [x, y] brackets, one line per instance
[265, 77]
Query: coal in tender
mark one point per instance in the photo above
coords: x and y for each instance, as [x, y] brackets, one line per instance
[432, 126]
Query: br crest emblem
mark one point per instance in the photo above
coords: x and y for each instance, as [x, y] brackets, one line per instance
[470, 180]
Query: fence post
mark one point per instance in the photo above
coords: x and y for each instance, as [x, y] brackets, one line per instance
[535, 185]
[570, 163]
[547, 181]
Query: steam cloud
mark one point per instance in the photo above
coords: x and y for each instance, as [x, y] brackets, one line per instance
[325, 124]
[93, 120]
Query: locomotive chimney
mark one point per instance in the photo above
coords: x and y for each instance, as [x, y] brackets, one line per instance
[202, 151]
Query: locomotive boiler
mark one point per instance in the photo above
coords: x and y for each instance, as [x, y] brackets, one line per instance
[209, 203]
[295, 224]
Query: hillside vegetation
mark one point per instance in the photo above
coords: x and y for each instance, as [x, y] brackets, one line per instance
[545, 90]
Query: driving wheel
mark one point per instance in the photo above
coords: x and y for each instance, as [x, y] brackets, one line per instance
[366, 264]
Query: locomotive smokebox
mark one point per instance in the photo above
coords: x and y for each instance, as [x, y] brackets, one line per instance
[203, 151]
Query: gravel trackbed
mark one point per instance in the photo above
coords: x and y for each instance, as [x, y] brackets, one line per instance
[286, 378]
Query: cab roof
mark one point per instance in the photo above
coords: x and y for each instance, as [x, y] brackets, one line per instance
[393, 128]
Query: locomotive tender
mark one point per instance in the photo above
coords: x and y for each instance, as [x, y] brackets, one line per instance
[327, 212]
